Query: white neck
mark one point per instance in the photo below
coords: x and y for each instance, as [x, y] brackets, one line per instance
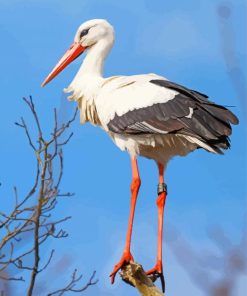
[94, 61]
[89, 76]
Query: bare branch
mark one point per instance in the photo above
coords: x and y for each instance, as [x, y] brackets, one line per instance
[70, 287]
[33, 214]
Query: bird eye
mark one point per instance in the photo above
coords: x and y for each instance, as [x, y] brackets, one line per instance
[84, 32]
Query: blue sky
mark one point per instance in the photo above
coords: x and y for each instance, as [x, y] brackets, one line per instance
[183, 41]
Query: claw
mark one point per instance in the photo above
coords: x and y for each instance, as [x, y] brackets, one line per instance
[126, 258]
[157, 272]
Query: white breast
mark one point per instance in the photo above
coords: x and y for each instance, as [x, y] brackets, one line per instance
[161, 148]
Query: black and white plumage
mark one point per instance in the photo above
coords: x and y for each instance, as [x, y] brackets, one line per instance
[153, 117]
[145, 114]
[189, 113]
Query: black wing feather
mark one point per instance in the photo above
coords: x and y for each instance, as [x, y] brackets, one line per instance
[209, 122]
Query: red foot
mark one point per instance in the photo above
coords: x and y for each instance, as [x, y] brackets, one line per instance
[126, 258]
[157, 272]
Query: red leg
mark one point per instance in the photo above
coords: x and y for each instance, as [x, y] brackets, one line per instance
[135, 185]
[157, 271]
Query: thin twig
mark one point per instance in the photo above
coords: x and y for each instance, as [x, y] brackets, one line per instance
[70, 287]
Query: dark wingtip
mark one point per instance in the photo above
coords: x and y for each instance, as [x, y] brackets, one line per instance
[235, 120]
[232, 118]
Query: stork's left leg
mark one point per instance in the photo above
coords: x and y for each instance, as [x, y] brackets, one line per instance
[157, 271]
[135, 185]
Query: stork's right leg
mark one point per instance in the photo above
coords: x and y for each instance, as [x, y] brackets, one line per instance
[157, 271]
[135, 185]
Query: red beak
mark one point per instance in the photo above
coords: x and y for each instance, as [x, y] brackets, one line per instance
[70, 55]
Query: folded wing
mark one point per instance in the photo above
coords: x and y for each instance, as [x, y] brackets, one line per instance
[186, 112]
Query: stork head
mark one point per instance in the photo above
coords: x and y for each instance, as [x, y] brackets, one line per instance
[93, 31]
[88, 35]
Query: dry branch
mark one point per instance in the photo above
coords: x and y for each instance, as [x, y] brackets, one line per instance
[71, 286]
[34, 213]
[134, 275]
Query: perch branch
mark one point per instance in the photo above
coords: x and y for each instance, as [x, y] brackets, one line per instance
[134, 275]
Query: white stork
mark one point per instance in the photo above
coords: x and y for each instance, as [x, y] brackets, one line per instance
[146, 115]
